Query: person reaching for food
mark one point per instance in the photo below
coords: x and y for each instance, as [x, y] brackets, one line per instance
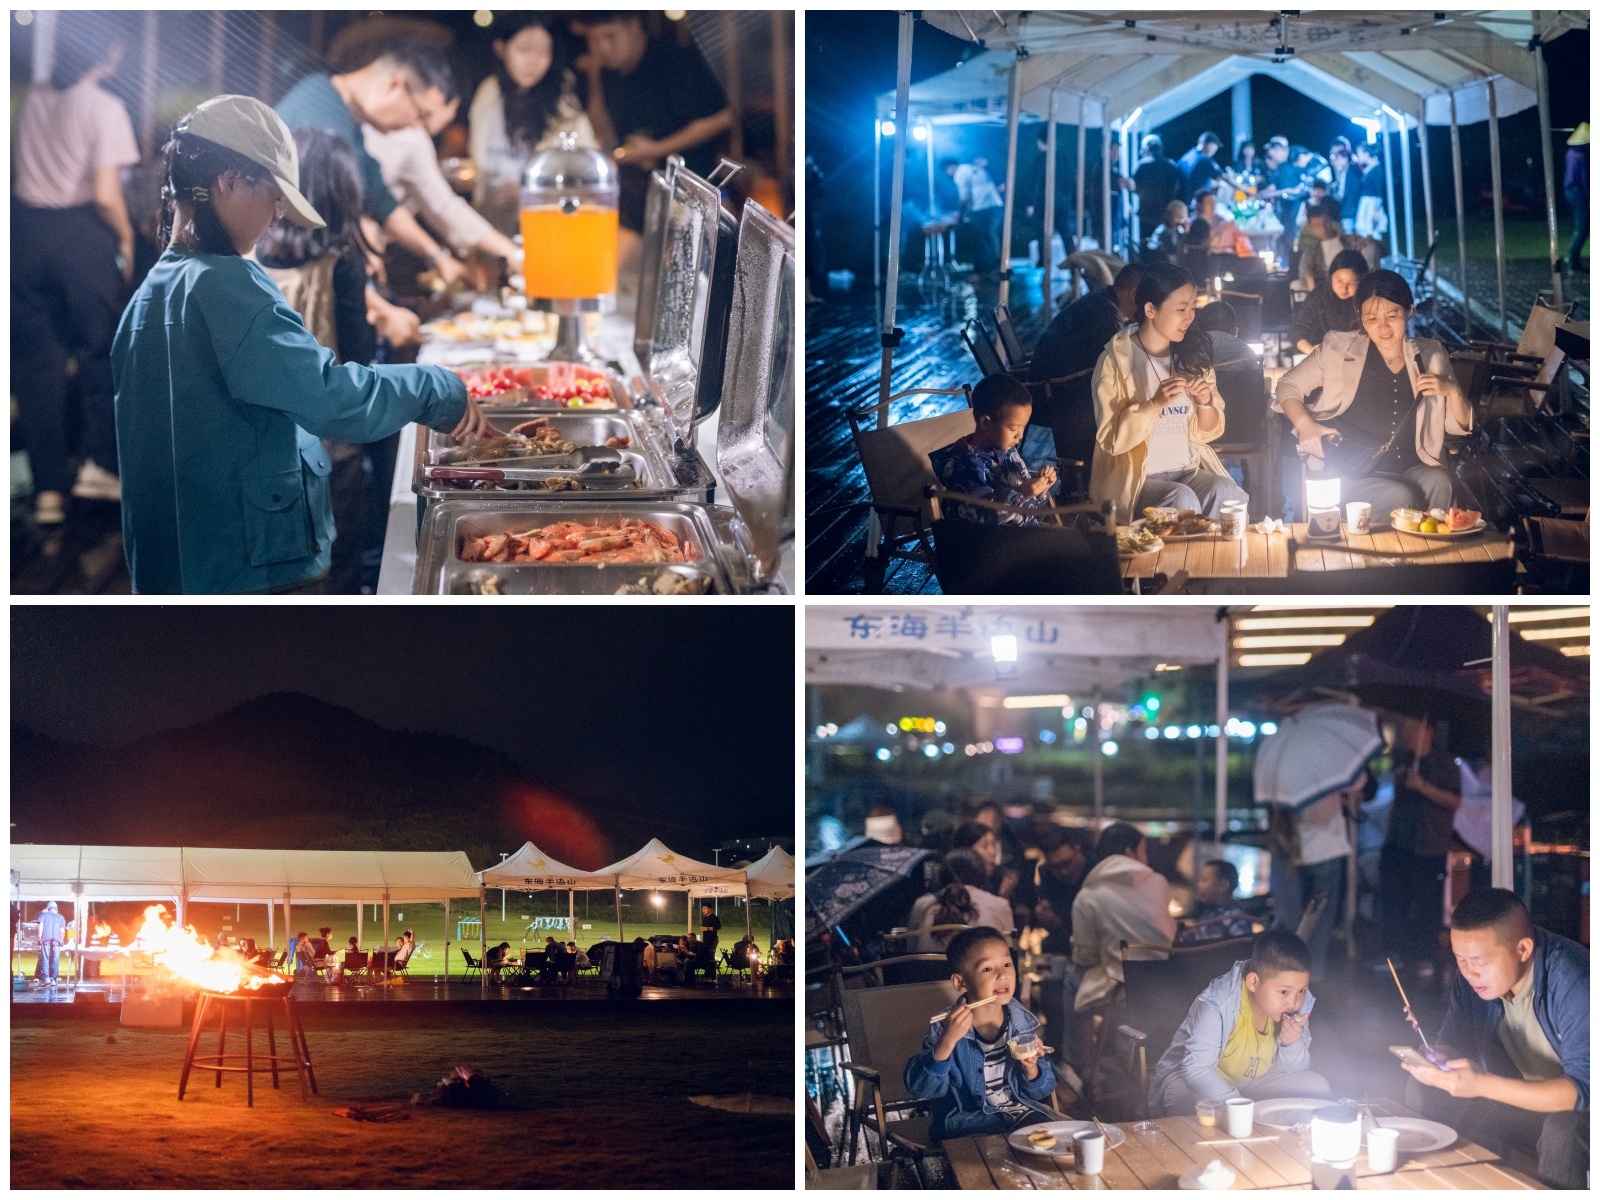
[221, 391]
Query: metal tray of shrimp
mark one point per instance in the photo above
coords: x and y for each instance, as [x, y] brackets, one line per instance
[641, 443]
[458, 532]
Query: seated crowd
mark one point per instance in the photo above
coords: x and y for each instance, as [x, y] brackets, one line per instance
[1516, 1034]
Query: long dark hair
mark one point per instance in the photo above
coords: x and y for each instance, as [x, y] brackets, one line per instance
[955, 905]
[190, 168]
[530, 113]
[331, 181]
[1192, 356]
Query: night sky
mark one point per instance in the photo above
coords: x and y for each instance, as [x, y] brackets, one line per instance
[692, 705]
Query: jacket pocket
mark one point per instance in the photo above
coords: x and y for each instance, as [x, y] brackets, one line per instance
[277, 525]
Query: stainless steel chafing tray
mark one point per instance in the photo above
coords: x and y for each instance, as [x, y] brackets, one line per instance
[714, 539]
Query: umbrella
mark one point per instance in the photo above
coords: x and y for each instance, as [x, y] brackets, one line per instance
[1315, 753]
[843, 887]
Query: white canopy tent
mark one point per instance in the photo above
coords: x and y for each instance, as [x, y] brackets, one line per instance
[771, 878]
[1127, 72]
[530, 869]
[656, 868]
[185, 874]
[1086, 649]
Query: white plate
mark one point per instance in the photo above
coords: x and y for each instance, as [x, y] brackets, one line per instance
[1152, 548]
[1446, 535]
[1018, 1138]
[1418, 1136]
[1285, 1113]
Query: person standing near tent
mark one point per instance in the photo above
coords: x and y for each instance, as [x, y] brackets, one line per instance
[1156, 182]
[1199, 166]
[982, 210]
[52, 932]
[1427, 793]
[1576, 185]
[710, 925]
[1371, 215]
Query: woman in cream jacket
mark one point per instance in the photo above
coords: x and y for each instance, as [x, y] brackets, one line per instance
[1157, 407]
[1369, 382]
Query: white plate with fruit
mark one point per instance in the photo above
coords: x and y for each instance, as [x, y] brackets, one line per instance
[1438, 522]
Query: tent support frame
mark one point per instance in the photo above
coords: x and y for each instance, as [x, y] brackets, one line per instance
[1461, 218]
[1547, 154]
[1427, 204]
[1077, 229]
[1013, 121]
[1388, 187]
[1405, 183]
[1500, 872]
[1047, 245]
[1222, 730]
[1499, 215]
[890, 336]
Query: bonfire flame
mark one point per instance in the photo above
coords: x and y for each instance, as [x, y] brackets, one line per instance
[189, 956]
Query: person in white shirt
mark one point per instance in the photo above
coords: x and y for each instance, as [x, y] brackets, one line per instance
[1321, 864]
[982, 209]
[71, 266]
[521, 109]
[960, 901]
[411, 171]
[1121, 900]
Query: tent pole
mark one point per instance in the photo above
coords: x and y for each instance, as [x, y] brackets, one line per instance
[1499, 215]
[1077, 228]
[1427, 200]
[1500, 873]
[897, 191]
[877, 202]
[360, 915]
[1105, 172]
[1405, 177]
[1047, 245]
[617, 893]
[386, 926]
[1013, 121]
[272, 934]
[1461, 217]
[483, 938]
[447, 939]
[1548, 155]
[1222, 730]
[1099, 764]
[572, 914]
[1388, 187]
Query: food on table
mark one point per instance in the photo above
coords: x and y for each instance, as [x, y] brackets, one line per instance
[668, 583]
[629, 540]
[1138, 540]
[543, 436]
[514, 385]
[1408, 520]
[487, 586]
[1181, 522]
[1042, 1139]
[620, 442]
[1464, 518]
[530, 327]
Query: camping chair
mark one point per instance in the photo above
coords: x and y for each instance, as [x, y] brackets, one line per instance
[984, 347]
[1309, 915]
[1244, 393]
[895, 458]
[1500, 379]
[357, 964]
[977, 559]
[474, 965]
[1010, 344]
[276, 964]
[884, 1028]
[1557, 556]
[1065, 406]
[1401, 579]
[1247, 307]
[1158, 995]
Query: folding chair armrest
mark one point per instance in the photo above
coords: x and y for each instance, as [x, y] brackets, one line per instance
[1176, 584]
[1136, 1036]
[866, 1074]
[1519, 381]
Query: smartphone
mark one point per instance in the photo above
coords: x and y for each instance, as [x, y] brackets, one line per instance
[1409, 1056]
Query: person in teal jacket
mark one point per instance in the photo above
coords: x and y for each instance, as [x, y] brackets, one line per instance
[222, 394]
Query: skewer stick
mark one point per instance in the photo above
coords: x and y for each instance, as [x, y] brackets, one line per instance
[1397, 984]
[934, 1020]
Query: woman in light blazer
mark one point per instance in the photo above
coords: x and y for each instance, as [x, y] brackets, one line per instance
[1382, 390]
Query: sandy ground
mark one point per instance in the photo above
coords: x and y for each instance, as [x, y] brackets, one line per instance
[592, 1096]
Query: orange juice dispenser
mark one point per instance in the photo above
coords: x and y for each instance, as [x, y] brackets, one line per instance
[569, 240]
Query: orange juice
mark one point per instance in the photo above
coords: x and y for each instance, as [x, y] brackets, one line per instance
[569, 256]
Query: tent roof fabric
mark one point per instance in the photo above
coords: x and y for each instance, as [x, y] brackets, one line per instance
[1104, 64]
[532, 870]
[237, 876]
[1059, 649]
[657, 868]
[772, 875]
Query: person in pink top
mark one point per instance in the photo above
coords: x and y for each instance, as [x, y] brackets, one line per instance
[71, 267]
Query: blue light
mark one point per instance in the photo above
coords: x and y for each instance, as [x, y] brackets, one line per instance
[1212, 731]
[920, 132]
[930, 750]
[1247, 730]
[1047, 736]
[1152, 733]
[883, 754]
[948, 748]
[1109, 749]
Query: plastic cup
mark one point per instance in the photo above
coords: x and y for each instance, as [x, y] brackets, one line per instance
[1383, 1149]
[1025, 1048]
[1205, 1111]
[1090, 1148]
[1241, 1117]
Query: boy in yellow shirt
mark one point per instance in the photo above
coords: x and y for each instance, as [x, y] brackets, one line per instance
[1246, 1035]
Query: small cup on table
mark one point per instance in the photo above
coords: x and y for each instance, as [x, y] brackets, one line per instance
[1358, 516]
[1383, 1150]
[1089, 1146]
[1241, 1117]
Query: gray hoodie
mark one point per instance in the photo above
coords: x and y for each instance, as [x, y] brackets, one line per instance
[1199, 1041]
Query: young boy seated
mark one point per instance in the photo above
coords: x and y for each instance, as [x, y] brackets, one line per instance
[966, 1066]
[986, 464]
[1216, 917]
[1246, 1034]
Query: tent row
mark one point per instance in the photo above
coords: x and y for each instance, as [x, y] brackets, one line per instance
[186, 874]
[1391, 71]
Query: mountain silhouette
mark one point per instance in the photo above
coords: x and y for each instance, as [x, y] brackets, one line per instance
[289, 771]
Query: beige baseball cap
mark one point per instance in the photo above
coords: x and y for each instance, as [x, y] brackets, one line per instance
[247, 126]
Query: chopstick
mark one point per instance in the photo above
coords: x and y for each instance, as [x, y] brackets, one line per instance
[1237, 1141]
[1403, 999]
[1104, 1132]
[934, 1020]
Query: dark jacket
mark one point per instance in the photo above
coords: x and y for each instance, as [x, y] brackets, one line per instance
[1323, 311]
[960, 1103]
[1560, 1002]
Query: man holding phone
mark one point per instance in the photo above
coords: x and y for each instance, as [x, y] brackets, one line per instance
[1516, 1039]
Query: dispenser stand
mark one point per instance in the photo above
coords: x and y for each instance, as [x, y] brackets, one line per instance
[570, 345]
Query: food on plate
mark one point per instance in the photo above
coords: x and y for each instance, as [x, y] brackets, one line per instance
[1042, 1139]
[1408, 520]
[573, 387]
[1138, 540]
[468, 327]
[1464, 518]
[543, 436]
[668, 583]
[1181, 522]
[629, 540]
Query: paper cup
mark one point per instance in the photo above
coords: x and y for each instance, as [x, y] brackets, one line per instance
[1358, 516]
[1090, 1148]
[1235, 515]
[1383, 1149]
[1241, 1117]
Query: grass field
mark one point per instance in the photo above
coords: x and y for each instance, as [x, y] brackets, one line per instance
[427, 921]
[593, 1095]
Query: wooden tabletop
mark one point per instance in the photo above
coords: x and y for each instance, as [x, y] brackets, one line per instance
[1265, 556]
[1155, 1160]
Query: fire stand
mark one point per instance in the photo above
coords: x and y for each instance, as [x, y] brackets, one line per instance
[253, 1062]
